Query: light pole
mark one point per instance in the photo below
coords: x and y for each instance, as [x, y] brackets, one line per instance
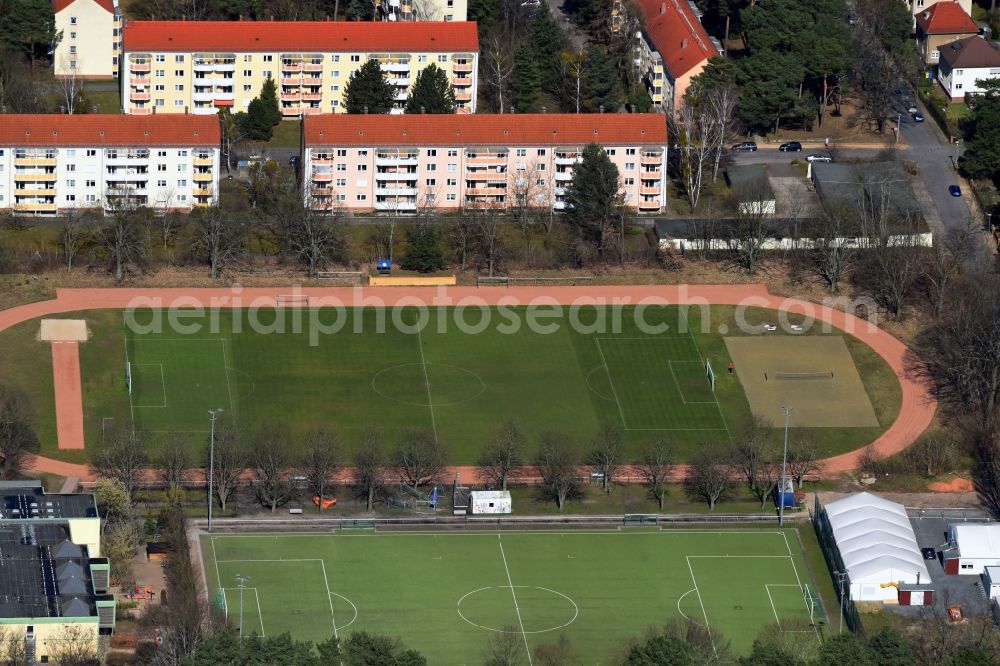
[841, 575]
[212, 413]
[784, 465]
[241, 581]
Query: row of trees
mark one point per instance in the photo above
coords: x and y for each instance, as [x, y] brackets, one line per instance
[369, 91]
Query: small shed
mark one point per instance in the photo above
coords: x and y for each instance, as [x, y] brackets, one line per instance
[490, 501]
[915, 595]
[972, 548]
[991, 582]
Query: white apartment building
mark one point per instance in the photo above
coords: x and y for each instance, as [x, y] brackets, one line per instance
[397, 164]
[91, 37]
[53, 163]
[963, 63]
[422, 10]
[200, 66]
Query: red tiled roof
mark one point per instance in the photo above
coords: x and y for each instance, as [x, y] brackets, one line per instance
[677, 34]
[106, 5]
[108, 130]
[321, 36]
[946, 18]
[531, 129]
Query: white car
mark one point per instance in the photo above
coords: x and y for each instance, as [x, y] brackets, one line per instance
[818, 157]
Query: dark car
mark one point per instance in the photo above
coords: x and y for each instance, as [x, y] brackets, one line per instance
[293, 161]
[790, 147]
[955, 190]
[918, 117]
[745, 147]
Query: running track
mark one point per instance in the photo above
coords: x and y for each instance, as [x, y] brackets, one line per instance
[915, 414]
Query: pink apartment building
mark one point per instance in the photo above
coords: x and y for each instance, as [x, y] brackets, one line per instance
[395, 164]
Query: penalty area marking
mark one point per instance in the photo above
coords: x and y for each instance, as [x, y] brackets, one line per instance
[256, 596]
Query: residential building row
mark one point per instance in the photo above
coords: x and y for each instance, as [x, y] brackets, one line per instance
[54, 582]
[399, 164]
[199, 67]
[955, 49]
[50, 164]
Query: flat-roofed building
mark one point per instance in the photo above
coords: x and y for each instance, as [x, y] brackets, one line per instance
[397, 164]
[201, 66]
[54, 163]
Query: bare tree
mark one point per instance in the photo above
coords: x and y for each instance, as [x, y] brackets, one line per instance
[17, 433]
[488, 224]
[122, 459]
[505, 648]
[70, 86]
[321, 462]
[606, 456]
[269, 459]
[231, 136]
[529, 197]
[498, 68]
[418, 458]
[122, 232]
[573, 71]
[218, 239]
[719, 110]
[558, 653]
[502, 456]
[11, 648]
[74, 235]
[802, 461]
[173, 462]
[369, 464]
[557, 462]
[756, 460]
[316, 237]
[933, 453]
[751, 228]
[119, 541]
[690, 131]
[709, 476]
[230, 462]
[944, 265]
[875, 74]
[74, 645]
[830, 254]
[656, 467]
[462, 235]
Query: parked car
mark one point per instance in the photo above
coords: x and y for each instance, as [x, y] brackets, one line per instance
[955, 190]
[790, 147]
[912, 108]
[819, 157]
[293, 161]
[745, 147]
[918, 117]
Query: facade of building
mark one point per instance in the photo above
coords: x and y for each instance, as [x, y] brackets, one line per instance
[54, 163]
[919, 6]
[200, 66]
[422, 10]
[972, 548]
[399, 164]
[942, 23]
[53, 584]
[672, 48]
[964, 62]
[91, 37]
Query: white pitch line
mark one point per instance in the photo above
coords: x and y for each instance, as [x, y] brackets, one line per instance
[131, 407]
[767, 588]
[708, 627]
[256, 596]
[698, 349]
[607, 368]
[514, 594]
[225, 365]
[329, 595]
[427, 382]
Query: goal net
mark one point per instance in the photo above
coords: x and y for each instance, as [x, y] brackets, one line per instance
[710, 373]
[812, 603]
[220, 602]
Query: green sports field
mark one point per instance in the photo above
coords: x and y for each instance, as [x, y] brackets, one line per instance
[261, 367]
[445, 594]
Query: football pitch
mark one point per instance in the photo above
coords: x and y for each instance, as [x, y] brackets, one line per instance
[446, 594]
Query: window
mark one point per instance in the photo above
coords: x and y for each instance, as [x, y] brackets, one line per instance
[70, 197]
[71, 152]
[247, 88]
[452, 152]
[161, 153]
[90, 198]
[160, 57]
[91, 152]
[341, 182]
[630, 151]
[541, 167]
[182, 183]
[452, 182]
[629, 181]
[72, 64]
[72, 49]
[362, 197]
[70, 183]
[630, 166]
[341, 197]
[432, 152]
[335, 57]
[161, 167]
[161, 183]
[267, 74]
[70, 167]
[182, 197]
[178, 103]
[355, 57]
[451, 197]
[362, 153]
[341, 167]
[522, 152]
[362, 167]
[421, 58]
[958, 86]
[182, 153]
[430, 182]
[452, 168]
[432, 167]
[958, 72]
[178, 72]
[431, 196]
[91, 183]
[268, 58]
[541, 152]
[159, 102]
[178, 87]
[72, 20]
[334, 88]
[540, 182]
[160, 87]
[334, 103]
[178, 58]
[442, 58]
[966, 566]
[248, 73]
[161, 73]
[341, 152]
[611, 152]
[248, 58]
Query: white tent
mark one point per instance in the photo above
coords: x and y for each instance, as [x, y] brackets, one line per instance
[877, 545]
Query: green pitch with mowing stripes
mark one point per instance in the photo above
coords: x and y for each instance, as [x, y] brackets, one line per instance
[445, 594]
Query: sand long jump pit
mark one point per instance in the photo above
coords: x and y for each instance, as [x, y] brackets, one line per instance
[815, 375]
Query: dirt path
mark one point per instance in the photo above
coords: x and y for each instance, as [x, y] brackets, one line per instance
[916, 409]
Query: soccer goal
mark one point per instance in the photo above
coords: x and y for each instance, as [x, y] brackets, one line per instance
[710, 373]
[805, 376]
[220, 602]
[812, 603]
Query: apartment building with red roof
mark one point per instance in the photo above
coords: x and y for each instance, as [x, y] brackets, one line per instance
[200, 66]
[91, 38]
[51, 163]
[940, 24]
[399, 164]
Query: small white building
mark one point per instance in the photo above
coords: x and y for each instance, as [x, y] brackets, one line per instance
[972, 548]
[964, 62]
[490, 501]
[991, 582]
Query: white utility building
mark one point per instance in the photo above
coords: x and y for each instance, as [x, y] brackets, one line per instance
[972, 548]
[490, 501]
[878, 549]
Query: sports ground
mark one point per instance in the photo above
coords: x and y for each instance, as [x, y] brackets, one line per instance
[458, 384]
[445, 594]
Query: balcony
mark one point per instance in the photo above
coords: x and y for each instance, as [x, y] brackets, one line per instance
[292, 81]
[564, 176]
[461, 81]
[322, 176]
[139, 81]
[395, 66]
[652, 160]
[204, 161]
[201, 96]
[202, 191]
[139, 66]
[396, 161]
[396, 191]
[310, 110]
[35, 207]
[400, 81]
[139, 96]
[495, 160]
[487, 177]
[322, 160]
[312, 67]
[291, 67]
[568, 160]
[34, 161]
[402, 175]
[322, 191]
[486, 192]
[312, 97]
[649, 205]
[35, 192]
[203, 176]
[463, 96]
[461, 67]
[35, 177]
[291, 111]
[559, 205]
[214, 66]
[650, 191]
[125, 159]
[405, 206]
[140, 110]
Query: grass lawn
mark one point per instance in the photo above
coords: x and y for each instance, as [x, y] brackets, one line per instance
[107, 101]
[446, 594]
[286, 135]
[459, 385]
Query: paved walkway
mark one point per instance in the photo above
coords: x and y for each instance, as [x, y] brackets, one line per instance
[916, 410]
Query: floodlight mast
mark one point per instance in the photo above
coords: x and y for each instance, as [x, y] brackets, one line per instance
[784, 466]
[212, 413]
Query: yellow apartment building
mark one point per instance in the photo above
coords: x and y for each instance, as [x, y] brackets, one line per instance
[90, 38]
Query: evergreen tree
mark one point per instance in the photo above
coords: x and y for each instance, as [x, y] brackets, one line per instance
[982, 135]
[268, 97]
[660, 651]
[431, 92]
[258, 121]
[593, 199]
[423, 250]
[527, 80]
[888, 648]
[360, 10]
[547, 43]
[369, 89]
[29, 26]
[600, 81]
